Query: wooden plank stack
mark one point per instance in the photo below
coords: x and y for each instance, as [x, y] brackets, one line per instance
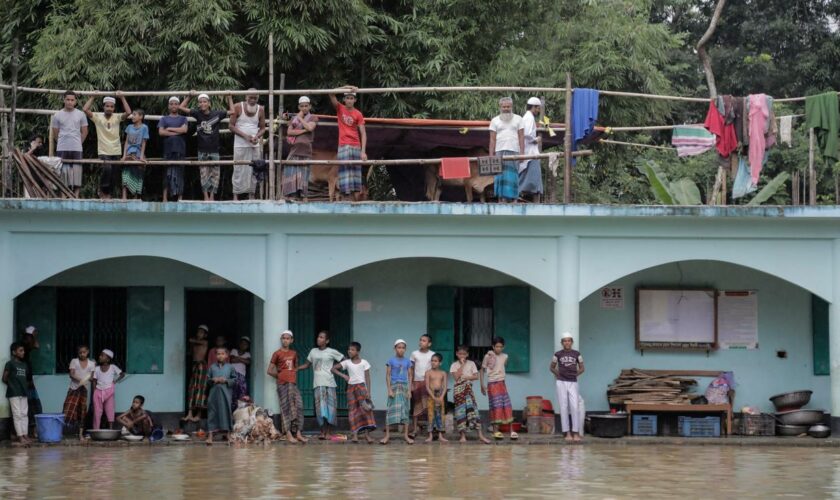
[636, 386]
[39, 180]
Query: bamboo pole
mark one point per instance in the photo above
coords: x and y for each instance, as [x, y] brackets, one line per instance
[567, 143]
[551, 180]
[637, 144]
[5, 147]
[812, 174]
[271, 173]
[280, 134]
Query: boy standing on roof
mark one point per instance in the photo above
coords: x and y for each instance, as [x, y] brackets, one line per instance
[207, 131]
[352, 142]
[173, 129]
[530, 173]
[108, 141]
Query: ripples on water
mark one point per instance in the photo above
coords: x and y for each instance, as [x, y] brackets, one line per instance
[439, 471]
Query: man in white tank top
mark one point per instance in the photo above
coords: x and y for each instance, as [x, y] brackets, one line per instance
[247, 122]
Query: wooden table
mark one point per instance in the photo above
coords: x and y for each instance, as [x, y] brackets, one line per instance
[678, 408]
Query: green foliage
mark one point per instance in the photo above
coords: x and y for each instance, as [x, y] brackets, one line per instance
[658, 182]
[770, 189]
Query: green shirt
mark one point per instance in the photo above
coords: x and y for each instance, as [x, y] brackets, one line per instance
[18, 374]
[821, 114]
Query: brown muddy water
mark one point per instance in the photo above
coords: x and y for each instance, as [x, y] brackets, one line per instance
[435, 471]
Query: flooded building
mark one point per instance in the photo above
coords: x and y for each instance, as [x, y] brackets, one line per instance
[139, 278]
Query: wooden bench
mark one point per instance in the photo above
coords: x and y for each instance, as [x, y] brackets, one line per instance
[678, 408]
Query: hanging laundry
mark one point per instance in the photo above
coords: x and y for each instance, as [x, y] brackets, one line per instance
[822, 115]
[771, 128]
[584, 114]
[692, 140]
[786, 130]
[454, 168]
[725, 133]
[758, 119]
[743, 184]
[742, 113]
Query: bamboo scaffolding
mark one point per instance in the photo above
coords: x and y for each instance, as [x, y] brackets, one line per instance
[636, 144]
[567, 144]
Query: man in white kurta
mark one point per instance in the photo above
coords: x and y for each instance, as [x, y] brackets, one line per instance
[530, 172]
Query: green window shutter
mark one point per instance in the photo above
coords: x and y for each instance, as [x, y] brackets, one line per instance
[144, 329]
[440, 321]
[512, 319]
[37, 307]
[341, 333]
[819, 319]
[302, 324]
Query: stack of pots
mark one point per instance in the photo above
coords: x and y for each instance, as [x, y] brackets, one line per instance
[539, 415]
[793, 420]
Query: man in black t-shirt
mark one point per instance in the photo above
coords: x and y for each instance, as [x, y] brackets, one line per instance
[567, 366]
[207, 133]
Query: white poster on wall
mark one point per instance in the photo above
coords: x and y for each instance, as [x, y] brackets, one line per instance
[738, 319]
[612, 297]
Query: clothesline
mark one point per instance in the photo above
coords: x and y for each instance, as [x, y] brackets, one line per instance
[636, 144]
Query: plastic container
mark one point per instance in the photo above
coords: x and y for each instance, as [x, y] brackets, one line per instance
[547, 424]
[699, 426]
[534, 424]
[546, 406]
[157, 435]
[644, 425]
[50, 427]
[534, 406]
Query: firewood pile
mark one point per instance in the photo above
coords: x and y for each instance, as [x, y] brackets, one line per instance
[39, 180]
[636, 386]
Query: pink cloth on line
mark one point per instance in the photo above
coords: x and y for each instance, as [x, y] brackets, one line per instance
[103, 399]
[758, 120]
[454, 168]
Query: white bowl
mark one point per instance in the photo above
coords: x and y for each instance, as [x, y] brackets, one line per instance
[132, 438]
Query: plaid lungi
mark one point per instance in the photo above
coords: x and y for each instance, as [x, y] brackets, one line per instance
[132, 178]
[197, 391]
[349, 176]
[360, 418]
[501, 411]
[209, 174]
[75, 405]
[506, 184]
[291, 408]
[240, 388]
[295, 177]
[174, 179]
[466, 408]
[436, 413]
[398, 404]
[419, 398]
[325, 405]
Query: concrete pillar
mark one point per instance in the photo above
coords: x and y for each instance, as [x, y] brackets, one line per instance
[567, 305]
[7, 327]
[275, 312]
[834, 339]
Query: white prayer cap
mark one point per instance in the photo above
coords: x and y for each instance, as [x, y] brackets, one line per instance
[175, 100]
[534, 101]
[400, 341]
[203, 96]
[30, 330]
[303, 100]
[108, 352]
[246, 339]
[204, 327]
[109, 99]
[567, 335]
[288, 332]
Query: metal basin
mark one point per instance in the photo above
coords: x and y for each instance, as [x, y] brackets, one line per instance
[608, 425]
[800, 417]
[791, 400]
[819, 431]
[104, 434]
[791, 430]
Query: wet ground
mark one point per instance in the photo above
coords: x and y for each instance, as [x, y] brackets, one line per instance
[436, 470]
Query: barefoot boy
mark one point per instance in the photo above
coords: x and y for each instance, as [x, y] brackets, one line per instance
[421, 360]
[436, 384]
[284, 366]
[567, 366]
[396, 380]
[136, 420]
[222, 377]
[463, 373]
[322, 358]
[16, 378]
[358, 397]
[493, 367]
[197, 390]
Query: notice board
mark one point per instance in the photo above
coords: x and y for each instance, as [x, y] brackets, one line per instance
[676, 318]
[738, 319]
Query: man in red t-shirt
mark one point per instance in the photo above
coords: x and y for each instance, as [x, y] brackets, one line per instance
[284, 365]
[352, 142]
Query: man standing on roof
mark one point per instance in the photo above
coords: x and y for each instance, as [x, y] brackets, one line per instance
[530, 173]
[506, 138]
[108, 141]
[247, 122]
[300, 135]
[70, 127]
[173, 129]
[207, 132]
[352, 142]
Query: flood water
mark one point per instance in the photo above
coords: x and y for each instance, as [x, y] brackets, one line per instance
[439, 471]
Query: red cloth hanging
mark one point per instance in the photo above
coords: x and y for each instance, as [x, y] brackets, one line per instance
[726, 141]
[454, 168]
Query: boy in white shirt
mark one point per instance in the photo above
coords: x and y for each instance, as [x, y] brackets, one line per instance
[421, 361]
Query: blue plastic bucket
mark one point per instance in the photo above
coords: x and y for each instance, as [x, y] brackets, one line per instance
[50, 427]
[157, 435]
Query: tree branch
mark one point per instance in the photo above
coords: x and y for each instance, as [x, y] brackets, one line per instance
[701, 48]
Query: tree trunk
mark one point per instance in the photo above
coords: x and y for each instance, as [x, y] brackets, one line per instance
[701, 48]
[5, 148]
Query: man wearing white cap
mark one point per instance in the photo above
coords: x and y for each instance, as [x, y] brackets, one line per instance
[300, 135]
[247, 122]
[567, 366]
[207, 133]
[530, 173]
[173, 129]
[108, 141]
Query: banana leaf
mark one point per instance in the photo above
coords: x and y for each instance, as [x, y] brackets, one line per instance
[769, 190]
[686, 192]
[658, 181]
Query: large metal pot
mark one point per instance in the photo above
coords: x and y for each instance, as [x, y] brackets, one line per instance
[800, 417]
[791, 400]
[608, 425]
[791, 430]
[819, 431]
[104, 434]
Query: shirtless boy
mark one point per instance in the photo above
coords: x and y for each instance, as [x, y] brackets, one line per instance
[436, 381]
[197, 390]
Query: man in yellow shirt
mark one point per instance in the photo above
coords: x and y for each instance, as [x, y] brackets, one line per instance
[108, 141]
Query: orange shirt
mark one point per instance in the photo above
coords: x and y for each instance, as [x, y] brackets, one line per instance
[286, 363]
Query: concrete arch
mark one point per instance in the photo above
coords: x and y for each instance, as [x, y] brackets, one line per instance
[603, 261]
[313, 259]
[40, 256]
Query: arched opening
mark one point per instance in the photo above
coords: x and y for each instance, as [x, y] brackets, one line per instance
[791, 327]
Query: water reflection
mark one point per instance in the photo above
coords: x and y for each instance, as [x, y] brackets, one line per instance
[439, 471]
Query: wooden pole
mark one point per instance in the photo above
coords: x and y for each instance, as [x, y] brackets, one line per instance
[272, 178]
[6, 147]
[12, 117]
[794, 188]
[567, 143]
[812, 175]
[550, 188]
[280, 136]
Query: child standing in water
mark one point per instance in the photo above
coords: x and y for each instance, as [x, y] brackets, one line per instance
[463, 373]
[75, 403]
[421, 360]
[396, 380]
[240, 359]
[493, 367]
[104, 378]
[436, 384]
[358, 397]
[16, 378]
[322, 358]
[222, 377]
[284, 365]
